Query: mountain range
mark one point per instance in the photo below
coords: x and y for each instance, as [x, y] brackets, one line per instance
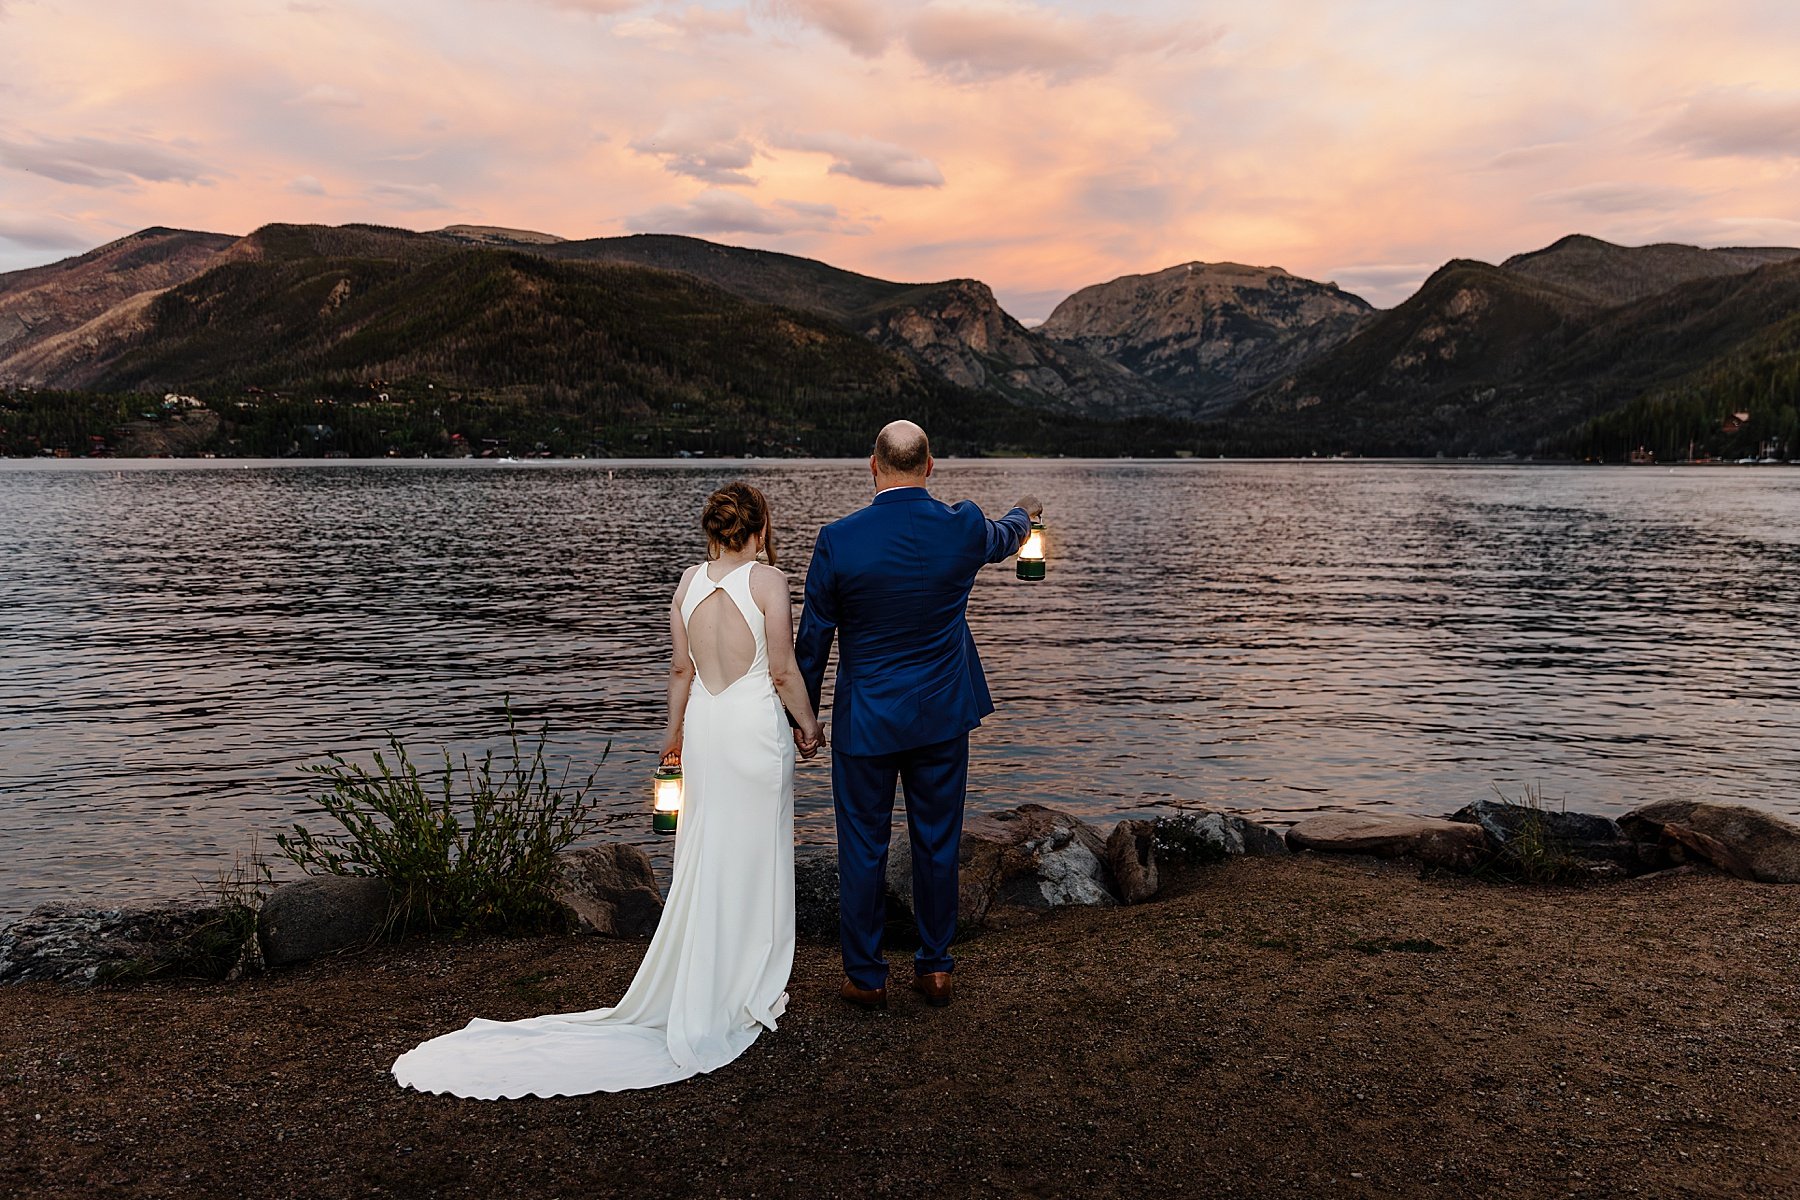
[435, 342]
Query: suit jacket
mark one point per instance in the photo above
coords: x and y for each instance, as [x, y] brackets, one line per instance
[891, 582]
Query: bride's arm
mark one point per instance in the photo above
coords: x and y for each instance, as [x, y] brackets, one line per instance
[769, 588]
[681, 672]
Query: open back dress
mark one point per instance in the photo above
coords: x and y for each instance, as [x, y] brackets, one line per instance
[717, 970]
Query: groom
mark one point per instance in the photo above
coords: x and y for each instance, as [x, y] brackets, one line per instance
[891, 582]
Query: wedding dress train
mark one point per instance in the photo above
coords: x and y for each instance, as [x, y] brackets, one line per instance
[716, 972]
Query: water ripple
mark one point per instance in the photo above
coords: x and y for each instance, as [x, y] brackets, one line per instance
[179, 639]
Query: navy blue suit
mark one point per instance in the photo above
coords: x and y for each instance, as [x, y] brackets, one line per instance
[891, 582]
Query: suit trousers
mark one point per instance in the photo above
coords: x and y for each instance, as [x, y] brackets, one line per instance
[935, 779]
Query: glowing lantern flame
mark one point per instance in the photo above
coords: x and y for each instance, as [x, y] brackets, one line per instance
[1031, 554]
[667, 793]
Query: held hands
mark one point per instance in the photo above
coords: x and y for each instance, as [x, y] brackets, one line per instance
[808, 738]
[1034, 508]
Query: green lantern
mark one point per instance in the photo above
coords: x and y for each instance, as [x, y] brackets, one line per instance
[666, 792]
[1031, 554]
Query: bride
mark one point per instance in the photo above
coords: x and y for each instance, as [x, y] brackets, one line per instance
[716, 972]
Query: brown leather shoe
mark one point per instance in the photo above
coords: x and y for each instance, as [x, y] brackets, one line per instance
[863, 997]
[934, 986]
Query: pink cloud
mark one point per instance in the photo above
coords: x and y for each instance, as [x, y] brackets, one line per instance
[1530, 156]
[989, 39]
[1622, 198]
[867, 159]
[694, 21]
[102, 162]
[989, 42]
[706, 145]
[717, 211]
[33, 232]
[861, 25]
[1727, 122]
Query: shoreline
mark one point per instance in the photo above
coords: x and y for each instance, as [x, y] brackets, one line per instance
[1300, 1026]
[1786, 828]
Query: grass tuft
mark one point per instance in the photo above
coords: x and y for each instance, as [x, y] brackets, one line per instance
[1533, 854]
[223, 946]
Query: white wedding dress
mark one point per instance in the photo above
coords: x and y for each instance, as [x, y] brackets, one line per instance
[717, 970]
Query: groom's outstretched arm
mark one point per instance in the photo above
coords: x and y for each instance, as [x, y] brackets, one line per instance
[1005, 536]
[818, 620]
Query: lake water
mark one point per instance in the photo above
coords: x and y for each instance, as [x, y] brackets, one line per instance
[177, 639]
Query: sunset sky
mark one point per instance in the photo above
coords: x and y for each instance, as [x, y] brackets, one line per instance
[1039, 147]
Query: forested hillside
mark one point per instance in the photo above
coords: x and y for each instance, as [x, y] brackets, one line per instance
[505, 351]
[1487, 360]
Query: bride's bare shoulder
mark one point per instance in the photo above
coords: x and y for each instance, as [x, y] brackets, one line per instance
[767, 579]
[687, 579]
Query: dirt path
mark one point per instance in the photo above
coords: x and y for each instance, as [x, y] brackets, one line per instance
[1274, 1027]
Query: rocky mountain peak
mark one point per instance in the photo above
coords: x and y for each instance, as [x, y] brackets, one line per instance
[497, 235]
[1213, 331]
[958, 329]
[1184, 296]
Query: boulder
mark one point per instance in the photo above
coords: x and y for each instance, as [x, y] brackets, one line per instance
[1209, 836]
[977, 875]
[1582, 835]
[1131, 856]
[1747, 842]
[1434, 841]
[1038, 858]
[68, 944]
[609, 890]
[322, 914]
[816, 893]
[1682, 843]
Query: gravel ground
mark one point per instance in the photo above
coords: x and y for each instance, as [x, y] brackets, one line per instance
[1299, 1027]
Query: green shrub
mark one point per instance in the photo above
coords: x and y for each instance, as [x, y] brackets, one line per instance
[475, 852]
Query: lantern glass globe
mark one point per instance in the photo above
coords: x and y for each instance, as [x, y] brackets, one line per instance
[666, 799]
[1031, 554]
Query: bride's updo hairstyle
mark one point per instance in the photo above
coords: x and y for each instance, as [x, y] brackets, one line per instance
[734, 514]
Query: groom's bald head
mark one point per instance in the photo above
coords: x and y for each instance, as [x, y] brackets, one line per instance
[902, 455]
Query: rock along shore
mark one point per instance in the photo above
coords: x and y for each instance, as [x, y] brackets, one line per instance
[1016, 865]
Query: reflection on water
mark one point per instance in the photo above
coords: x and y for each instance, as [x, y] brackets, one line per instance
[1280, 637]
